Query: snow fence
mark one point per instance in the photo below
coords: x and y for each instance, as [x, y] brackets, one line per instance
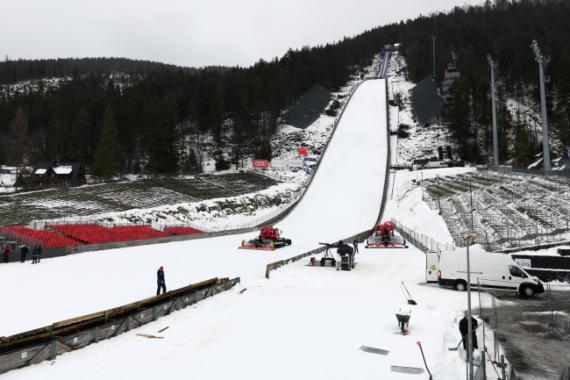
[46, 343]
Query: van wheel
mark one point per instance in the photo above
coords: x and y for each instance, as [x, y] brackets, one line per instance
[526, 291]
[460, 286]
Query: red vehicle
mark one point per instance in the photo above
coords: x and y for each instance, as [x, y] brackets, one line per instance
[269, 239]
[385, 237]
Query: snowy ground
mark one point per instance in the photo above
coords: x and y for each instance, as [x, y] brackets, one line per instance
[70, 286]
[303, 323]
[405, 202]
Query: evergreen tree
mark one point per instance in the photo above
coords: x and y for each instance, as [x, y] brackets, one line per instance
[80, 141]
[18, 148]
[523, 149]
[106, 162]
[162, 148]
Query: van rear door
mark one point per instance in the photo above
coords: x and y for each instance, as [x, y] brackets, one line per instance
[432, 266]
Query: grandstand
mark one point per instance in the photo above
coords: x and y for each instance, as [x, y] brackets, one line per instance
[509, 210]
[69, 235]
[47, 239]
[182, 230]
[85, 201]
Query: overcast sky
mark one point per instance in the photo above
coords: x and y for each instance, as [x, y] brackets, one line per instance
[192, 32]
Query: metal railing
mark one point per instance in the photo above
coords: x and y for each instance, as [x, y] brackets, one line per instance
[421, 241]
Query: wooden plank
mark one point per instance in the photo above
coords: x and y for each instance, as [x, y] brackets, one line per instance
[150, 336]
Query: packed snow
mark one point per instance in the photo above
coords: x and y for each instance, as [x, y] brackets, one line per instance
[305, 322]
[82, 283]
[405, 203]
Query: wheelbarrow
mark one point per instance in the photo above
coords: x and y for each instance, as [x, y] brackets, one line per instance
[403, 321]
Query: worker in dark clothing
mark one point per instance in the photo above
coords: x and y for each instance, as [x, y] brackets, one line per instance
[7, 252]
[23, 252]
[464, 330]
[160, 281]
[355, 245]
[36, 253]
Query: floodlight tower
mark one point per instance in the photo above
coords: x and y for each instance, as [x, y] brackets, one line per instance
[493, 65]
[542, 62]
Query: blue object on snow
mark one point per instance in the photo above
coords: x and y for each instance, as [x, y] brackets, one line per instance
[308, 170]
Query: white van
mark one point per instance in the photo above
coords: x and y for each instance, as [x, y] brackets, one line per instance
[488, 269]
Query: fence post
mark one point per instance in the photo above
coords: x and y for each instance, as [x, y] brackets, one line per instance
[52, 349]
[483, 361]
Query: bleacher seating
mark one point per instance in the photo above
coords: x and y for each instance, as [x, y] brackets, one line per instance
[94, 233]
[45, 238]
[182, 230]
[87, 233]
[136, 233]
[67, 235]
[508, 209]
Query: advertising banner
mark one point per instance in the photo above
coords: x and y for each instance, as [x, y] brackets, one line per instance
[260, 164]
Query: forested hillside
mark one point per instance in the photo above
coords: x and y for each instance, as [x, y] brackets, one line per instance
[116, 130]
[504, 30]
[24, 69]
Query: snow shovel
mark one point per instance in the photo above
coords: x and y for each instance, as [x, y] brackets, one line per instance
[424, 358]
[408, 295]
[456, 347]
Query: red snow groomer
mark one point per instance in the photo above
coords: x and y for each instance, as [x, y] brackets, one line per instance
[385, 237]
[268, 240]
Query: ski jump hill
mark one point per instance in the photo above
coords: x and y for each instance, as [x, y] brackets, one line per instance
[343, 199]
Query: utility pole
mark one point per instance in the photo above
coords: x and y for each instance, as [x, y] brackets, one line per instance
[433, 53]
[542, 62]
[470, 238]
[493, 65]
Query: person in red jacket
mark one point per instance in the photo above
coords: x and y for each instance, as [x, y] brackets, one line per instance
[7, 252]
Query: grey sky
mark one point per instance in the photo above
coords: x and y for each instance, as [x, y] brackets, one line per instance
[192, 32]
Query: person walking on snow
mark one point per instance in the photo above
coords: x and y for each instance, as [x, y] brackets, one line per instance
[464, 330]
[355, 245]
[36, 253]
[160, 281]
[23, 252]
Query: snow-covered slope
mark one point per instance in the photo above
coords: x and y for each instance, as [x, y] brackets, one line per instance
[305, 323]
[343, 199]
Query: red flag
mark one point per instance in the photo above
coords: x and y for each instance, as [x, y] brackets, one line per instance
[303, 151]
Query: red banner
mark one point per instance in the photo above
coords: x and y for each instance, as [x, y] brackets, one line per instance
[260, 164]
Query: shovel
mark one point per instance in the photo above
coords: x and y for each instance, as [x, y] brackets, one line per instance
[456, 347]
[408, 295]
